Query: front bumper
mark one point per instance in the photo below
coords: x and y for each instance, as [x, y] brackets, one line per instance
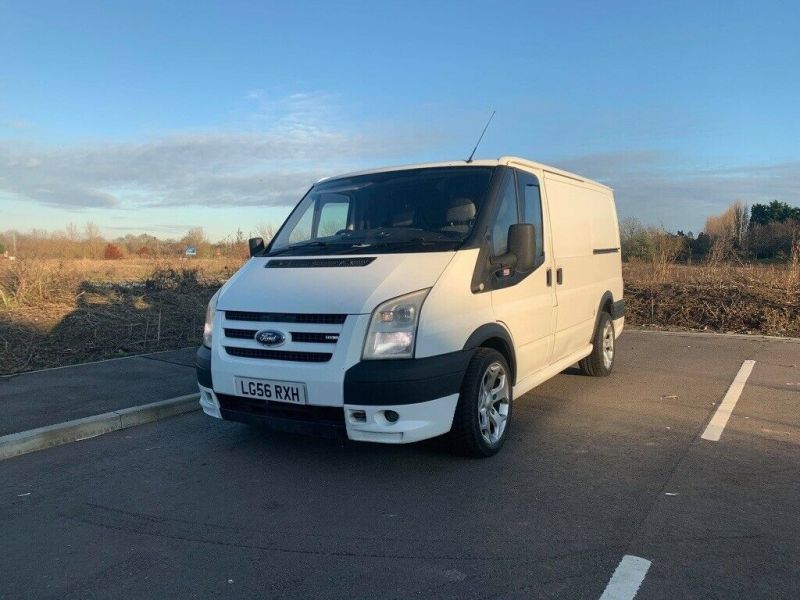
[418, 395]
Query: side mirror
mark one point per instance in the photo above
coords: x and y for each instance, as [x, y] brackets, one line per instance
[522, 244]
[256, 246]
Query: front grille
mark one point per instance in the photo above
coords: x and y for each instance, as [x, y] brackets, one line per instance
[279, 354]
[297, 336]
[332, 415]
[238, 315]
[241, 334]
[315, 338]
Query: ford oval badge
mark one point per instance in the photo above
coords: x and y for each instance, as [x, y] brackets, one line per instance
[270, 337]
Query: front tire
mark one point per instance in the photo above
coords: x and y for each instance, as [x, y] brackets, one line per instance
[483, 413]
[604, 349]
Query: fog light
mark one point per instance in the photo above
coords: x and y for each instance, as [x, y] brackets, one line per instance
[359, 416]
[391, 416]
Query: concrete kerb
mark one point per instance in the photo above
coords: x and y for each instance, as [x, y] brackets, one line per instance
[40, 438]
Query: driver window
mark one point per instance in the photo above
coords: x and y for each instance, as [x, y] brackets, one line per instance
[506, 216]
[332, 218]
[532, 207]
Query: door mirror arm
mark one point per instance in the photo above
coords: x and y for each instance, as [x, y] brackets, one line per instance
[504, 261]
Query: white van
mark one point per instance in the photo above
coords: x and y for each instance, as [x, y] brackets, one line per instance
[404, 303]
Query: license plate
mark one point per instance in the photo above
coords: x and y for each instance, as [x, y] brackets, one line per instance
[267, 389]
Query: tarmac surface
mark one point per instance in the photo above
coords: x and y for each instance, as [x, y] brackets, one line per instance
[594, 470]
[50, 396]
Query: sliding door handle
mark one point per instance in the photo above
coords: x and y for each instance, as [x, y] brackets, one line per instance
[559, 276]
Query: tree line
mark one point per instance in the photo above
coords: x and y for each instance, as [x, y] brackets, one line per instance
[87, 242]
[762, 232]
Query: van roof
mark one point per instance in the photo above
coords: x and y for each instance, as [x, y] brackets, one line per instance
[492, 162]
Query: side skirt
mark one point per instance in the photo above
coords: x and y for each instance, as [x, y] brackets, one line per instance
[530, 382]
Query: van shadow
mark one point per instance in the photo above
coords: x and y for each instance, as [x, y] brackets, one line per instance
[572, 371]
[263, 441]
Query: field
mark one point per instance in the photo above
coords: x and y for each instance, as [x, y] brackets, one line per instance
[727, 298]
[55, 313]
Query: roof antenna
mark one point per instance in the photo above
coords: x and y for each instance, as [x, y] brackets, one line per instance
[469, 160]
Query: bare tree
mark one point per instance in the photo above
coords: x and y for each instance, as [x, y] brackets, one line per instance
[730, 227]
[265, 231]
[741, 220]
[71, 231]
[94, 241]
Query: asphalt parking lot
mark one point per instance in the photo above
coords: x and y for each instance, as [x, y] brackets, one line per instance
[594, 470]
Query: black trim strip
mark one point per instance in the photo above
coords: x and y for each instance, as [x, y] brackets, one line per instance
[618, 309]
[327, 421]
[405, 381]
[239, 315]
[605, 250]
[314, 338]
[315, 263]
[289, 355]
[202, 363]
[241, 334]
[492, 331]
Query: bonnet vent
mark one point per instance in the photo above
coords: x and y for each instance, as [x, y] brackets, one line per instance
[317, 263]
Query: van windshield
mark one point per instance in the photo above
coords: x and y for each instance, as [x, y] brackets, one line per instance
[415, 210]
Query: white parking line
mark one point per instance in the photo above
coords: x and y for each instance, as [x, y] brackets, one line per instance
[627, 578]
[720, 419]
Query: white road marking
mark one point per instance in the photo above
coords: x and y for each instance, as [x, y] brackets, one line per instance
[627, 578]
[720, 419]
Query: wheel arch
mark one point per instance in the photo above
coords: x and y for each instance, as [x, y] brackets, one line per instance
[606, 305]
[497, 337]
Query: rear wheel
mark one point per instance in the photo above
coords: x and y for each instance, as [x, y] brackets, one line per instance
[604, 345]
[483, 413]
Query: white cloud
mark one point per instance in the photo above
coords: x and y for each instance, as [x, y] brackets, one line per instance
[291, 142]
[285, 143]
[661, 188]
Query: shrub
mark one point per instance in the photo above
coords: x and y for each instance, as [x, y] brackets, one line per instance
[635, 241]
[112, 252]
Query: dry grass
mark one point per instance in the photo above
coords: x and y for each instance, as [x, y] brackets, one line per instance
[55, 313]
[720, 297]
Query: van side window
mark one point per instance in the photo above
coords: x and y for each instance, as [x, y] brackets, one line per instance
[532, 206]
[327, 215]
[506, 217]
[332, 217]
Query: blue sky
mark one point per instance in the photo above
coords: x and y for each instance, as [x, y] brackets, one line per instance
[157, 117]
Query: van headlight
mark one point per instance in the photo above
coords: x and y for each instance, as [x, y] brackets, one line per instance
[209, 324]
[393, 327]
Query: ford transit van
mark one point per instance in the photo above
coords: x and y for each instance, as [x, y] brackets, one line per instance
[405, 303]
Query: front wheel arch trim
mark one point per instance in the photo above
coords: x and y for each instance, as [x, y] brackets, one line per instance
[494, 335]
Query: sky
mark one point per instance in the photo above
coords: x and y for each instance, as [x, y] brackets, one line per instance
[158, 117]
